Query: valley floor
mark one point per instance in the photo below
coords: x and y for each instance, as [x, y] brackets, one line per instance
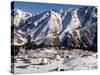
[55, 60]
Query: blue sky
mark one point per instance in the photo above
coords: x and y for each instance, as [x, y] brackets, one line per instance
[34, 7]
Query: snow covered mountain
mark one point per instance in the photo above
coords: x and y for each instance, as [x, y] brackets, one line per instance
[75, 27]
[42, 26]
[19, 17]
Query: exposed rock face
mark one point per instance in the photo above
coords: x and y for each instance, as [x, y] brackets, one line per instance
[17, 39]
[55, 23]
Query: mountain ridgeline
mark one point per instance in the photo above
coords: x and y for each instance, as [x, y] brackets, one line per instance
[71, 28]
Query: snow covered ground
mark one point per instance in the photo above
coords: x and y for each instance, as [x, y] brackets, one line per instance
[75, 59]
